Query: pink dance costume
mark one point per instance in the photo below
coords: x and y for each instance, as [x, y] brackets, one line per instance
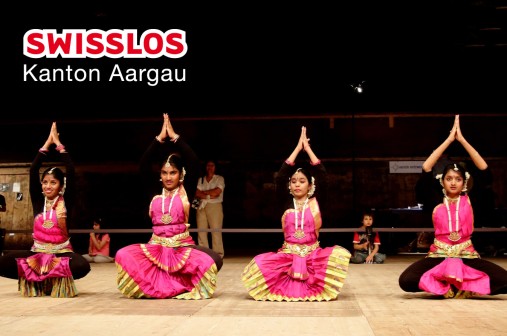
[169, 265]
[452, 270]
[45, 273]
[166, 267]
[50, 266]
[452, 267]
[300, 270]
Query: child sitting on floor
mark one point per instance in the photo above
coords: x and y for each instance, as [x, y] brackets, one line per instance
[367, 243]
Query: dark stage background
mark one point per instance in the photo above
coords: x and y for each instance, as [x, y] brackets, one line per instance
[255, 73]
[284, 59]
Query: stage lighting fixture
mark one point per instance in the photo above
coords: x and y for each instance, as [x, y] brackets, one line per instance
[358, 88]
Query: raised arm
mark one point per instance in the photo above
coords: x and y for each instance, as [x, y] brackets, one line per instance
[169, 141]
[35, 181]
[479, 162]
[149, 175]
[306, 147]
[318, 170]
[35, 168]
[70, 171]
[149, 154]
[433, 158]
[299, 147]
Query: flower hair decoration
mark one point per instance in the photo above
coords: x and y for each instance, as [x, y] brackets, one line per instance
[312, 189]
[183, 173]
[467, 176]
[64, 185]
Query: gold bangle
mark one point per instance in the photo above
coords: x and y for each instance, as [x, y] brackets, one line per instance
[176, 137]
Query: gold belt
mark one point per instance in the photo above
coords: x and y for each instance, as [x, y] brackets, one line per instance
[452, 250]
[173, 241]
[300, 250]
[51, 248]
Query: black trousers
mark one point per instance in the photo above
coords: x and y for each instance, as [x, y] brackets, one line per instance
[79, 266]
[215, 256]
[409, 279]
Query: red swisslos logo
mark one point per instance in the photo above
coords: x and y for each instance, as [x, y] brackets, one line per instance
[96, 43]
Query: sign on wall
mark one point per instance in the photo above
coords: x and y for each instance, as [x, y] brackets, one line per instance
[404, 167]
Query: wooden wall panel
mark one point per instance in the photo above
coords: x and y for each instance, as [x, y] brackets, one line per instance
[19, 215]
[356, 152]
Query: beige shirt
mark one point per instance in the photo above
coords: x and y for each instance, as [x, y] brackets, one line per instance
[216, 181]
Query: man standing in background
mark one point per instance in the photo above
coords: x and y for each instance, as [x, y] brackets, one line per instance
[210, 215]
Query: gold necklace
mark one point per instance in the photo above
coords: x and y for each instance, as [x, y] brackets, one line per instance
[48, 222]
[299, 232]
[166, 217]
[450, 199]
[453, 235]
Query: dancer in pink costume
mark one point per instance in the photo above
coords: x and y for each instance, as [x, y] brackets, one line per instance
[452, 267]
[300, 270]
[170, 265]
[51, 265]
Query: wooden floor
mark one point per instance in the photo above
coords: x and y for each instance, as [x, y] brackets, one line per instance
[371, 304]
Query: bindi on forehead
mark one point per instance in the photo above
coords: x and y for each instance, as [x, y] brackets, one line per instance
[169, 168]
[454, 174]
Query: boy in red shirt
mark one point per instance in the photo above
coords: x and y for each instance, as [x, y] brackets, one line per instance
[367, 243]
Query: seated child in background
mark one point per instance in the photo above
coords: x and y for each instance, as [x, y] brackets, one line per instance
[367, 243]
[98, 250]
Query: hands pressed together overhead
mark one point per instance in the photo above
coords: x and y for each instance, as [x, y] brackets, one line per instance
[455, 133]
[304, 141]
[53, 138]
[167, 130]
